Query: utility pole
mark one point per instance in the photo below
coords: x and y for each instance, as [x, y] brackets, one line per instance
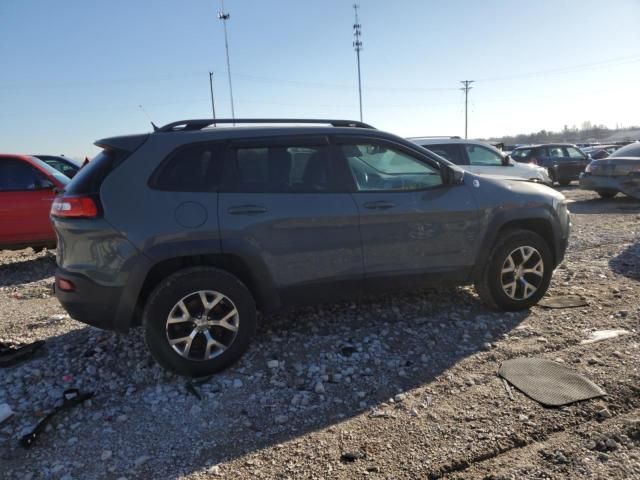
[357, 45]
[465, 89]
[222, 15]
[213, 105]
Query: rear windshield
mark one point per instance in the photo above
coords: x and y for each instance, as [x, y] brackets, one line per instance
[90, 177]
[61, 177]
[520, 152]
[631, 150]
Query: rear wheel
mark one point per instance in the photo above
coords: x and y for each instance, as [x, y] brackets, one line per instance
[606, 193]
[564, 183]
[198, 321]
[517, 273]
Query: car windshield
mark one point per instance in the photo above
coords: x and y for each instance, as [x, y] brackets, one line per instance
[631, 150]
[520, 152]
[61, 177]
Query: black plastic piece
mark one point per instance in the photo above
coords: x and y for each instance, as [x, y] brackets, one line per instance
[70, 398]
[199, 124]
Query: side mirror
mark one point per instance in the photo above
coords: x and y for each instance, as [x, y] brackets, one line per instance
[452, 175]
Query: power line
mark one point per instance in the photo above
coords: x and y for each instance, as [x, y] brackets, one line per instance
[222, 15]
[466, 89]
[357, 45]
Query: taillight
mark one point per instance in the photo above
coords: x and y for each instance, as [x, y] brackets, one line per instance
[74, 207]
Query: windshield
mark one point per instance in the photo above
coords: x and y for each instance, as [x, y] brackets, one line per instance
[61, 177]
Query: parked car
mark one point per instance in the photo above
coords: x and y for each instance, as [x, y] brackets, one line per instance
[190, 229]
[601, 151]
[564, 162]
[482, 158]
[619, 172]
[27, 188]
[63, 164]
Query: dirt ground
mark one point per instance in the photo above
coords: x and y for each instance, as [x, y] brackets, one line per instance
[400, 386]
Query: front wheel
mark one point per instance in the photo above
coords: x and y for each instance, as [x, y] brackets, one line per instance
[517, 273]
[198, 321]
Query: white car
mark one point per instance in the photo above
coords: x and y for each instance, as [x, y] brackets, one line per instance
[482, 158]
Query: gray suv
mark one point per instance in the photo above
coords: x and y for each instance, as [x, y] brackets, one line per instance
[191, 229]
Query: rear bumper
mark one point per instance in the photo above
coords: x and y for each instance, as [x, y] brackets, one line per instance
[627, 184]
[597, 182]
[90, 302]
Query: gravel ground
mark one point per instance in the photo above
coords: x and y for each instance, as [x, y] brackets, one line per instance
[401, 386]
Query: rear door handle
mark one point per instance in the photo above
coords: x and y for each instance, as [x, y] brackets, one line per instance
[378, 205]
[246, 209]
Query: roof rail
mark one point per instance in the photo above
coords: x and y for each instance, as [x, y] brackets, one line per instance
[435, 136]
[199, 124]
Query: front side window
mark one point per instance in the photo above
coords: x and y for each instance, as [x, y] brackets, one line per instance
[282, 169]
[483, 156]
[520, 154]
[574, 153]
[448, 152]
[376, 167]
[18, 175]
[190, 169]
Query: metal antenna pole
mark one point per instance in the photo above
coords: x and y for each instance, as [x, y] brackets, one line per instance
[222, 15]
[466, 89]
[213, 105]
[357, 45]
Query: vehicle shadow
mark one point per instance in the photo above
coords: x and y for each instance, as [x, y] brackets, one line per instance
[627, 263]
[334, 362]
[618, 205]
[26, 271]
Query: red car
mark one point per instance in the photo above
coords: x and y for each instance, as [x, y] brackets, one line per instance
[27, 189]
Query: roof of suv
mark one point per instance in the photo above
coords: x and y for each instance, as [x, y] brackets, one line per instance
[546, 145]
[212, 129]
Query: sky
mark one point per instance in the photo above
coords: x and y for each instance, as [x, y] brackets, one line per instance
[74, 71]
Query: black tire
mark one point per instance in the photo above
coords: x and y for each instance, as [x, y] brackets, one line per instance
[552, 175]
[489, 285]
[564, 183]
[606, 193]
[180, 285]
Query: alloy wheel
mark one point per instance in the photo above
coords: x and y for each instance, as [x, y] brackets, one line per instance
[202, 325]
[522, 273]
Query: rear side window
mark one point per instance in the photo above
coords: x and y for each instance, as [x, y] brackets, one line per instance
[195, 168]
[520, 153]
[574, 152]
[90, 177]
[282, 169]
[448, 152]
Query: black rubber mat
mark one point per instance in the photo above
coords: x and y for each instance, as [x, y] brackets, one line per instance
[563, 301]
[547, 382]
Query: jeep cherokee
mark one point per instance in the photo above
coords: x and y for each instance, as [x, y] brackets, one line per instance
[191, 229]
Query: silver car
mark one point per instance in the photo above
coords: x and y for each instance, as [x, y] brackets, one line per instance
[618, 173]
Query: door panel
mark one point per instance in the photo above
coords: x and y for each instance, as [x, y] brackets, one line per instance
[410, 222]
[282, 204]
[302, 237]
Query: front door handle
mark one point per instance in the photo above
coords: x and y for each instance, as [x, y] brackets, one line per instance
[246, 209]
[378, 205]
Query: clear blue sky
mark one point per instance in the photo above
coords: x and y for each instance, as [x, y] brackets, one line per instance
[74, 71]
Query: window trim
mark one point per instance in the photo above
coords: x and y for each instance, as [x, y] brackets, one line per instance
[360, 139]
